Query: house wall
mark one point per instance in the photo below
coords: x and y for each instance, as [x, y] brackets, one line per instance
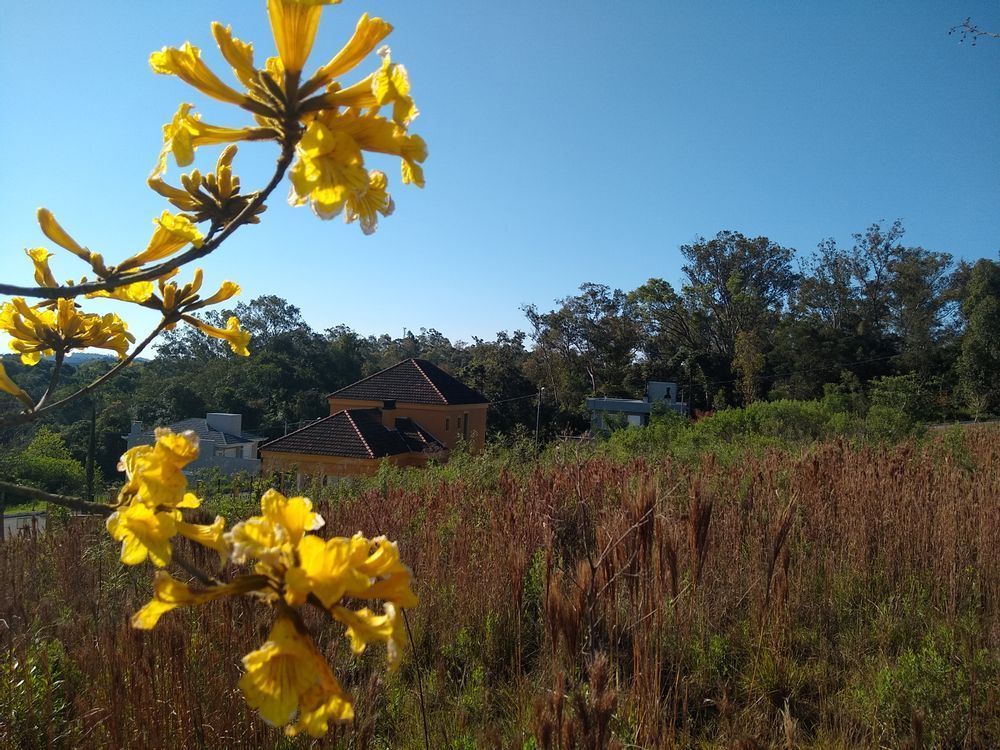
[306, 465]
[441, 421]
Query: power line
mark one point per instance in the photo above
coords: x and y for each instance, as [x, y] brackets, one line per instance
[516, 398]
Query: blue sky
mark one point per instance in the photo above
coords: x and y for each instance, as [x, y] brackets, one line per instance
[569, 142]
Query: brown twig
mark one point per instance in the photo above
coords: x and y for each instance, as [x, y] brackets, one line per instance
[203, 578]
[73, 503]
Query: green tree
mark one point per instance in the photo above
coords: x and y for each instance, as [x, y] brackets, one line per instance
[496, 369]
[45, 463]
[979, 361]
[588, 345]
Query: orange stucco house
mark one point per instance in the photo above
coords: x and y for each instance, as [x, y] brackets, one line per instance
[407, 414]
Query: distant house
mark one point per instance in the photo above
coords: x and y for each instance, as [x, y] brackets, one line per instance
[608, 413]
[224, 445]
[407, 414]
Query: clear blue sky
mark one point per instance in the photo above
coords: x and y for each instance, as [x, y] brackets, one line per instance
[569, 142]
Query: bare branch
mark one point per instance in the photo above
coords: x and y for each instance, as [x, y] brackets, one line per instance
[73, 503]
[969, 30]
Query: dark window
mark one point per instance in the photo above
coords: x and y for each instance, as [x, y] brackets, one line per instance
[447, 424]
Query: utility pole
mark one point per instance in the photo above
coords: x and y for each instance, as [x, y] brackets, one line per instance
[689, 411]
[538, 417]
[91, 449]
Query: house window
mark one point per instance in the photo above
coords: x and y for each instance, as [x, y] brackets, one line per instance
[447, 424]
[458, 423]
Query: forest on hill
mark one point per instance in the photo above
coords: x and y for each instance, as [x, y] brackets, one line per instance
[751, 320]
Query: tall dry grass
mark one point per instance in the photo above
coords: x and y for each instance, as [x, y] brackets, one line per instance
[845, 596]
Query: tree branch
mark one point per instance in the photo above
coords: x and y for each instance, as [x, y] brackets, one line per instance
[191, 570]
[155, 272]
[53, 379]
[968, 29]
[30, 416]
[73, 503]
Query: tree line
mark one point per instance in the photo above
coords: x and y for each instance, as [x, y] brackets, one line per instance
[749, 320]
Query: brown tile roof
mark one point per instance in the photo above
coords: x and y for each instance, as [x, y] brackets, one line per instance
[354, 433]
[416, 437]
[413, 381]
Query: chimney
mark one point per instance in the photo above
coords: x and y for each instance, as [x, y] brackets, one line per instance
[229, 423]
[136, 427]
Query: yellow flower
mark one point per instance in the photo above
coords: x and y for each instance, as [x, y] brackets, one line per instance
[185, 132]
[211, 536]
[259, 539]
[391, 85]
[325, 570]
[137, 292]
[171, 233]
[368, 33]
[373, 133]
[367, 207]
[272, 536]
[364, 626]
[330, 169]
[154, 473]
[43, 274]
[149, 502]
[52, 230]
[9, 386]
[238, 54]
[294, 24]
[227, 290]
[288, 676]
[378, 560]
[47, 327]
[186, 64]
[294, 514]
[232, 334]
[144, 533]
[169, 593]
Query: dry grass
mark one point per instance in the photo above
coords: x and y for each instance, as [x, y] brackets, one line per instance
[845, 596]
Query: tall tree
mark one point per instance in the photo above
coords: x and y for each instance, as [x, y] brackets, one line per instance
[496, 369]
[979, 362]
[594, 333]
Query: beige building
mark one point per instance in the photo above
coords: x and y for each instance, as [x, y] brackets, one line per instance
[408, 414]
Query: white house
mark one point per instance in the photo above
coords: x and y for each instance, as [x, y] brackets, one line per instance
[224, 445]
[606, 413]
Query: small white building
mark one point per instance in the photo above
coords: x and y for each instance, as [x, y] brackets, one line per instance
[223, 443]
[608, 413]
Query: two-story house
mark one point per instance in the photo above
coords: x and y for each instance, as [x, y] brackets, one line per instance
[406, 414]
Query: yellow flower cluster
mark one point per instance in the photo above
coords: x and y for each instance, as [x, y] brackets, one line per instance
[287, 680]
[59, 326]
[149, 507]
[324, 126]
[331, 125]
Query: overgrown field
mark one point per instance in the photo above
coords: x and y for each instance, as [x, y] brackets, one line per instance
[836, 596]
